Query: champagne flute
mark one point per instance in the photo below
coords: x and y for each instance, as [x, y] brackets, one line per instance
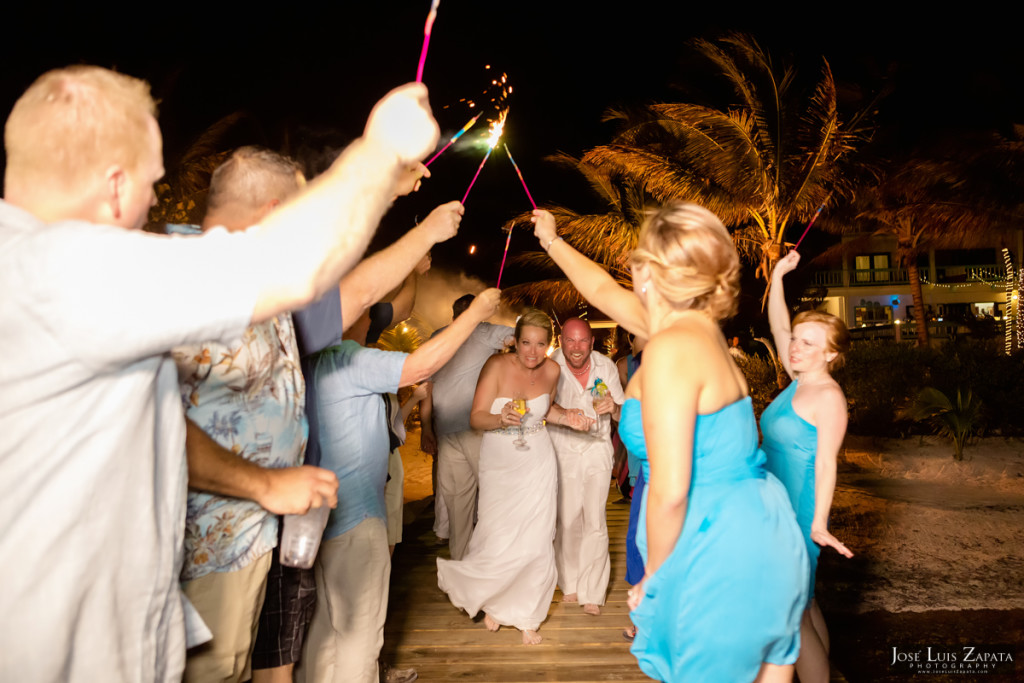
[519, 403]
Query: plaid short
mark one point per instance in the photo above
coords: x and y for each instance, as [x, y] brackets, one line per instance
[287, 613]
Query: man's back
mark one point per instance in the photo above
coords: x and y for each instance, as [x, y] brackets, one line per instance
[96, 511]
[455, 383]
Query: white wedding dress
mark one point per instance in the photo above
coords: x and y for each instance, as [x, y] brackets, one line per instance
[509, 568]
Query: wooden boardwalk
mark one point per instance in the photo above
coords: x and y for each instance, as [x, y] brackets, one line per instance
[424, 631]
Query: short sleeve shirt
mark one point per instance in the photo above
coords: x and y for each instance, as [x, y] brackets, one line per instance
[352, 427]
[249, 397]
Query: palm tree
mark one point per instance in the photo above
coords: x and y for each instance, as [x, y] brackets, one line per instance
[607, 237]
[763, 163]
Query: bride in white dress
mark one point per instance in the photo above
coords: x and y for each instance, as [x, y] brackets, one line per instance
[509, 568]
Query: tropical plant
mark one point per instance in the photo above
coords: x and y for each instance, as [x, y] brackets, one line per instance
[957, 421]
[607, 237]
[769, 160]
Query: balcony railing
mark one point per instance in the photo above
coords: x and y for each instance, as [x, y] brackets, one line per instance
[873, 277]
[979, 273]
[862, 278]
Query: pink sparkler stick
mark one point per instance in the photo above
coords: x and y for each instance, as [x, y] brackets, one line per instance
[502, 269]
[476, 175]
[813, 218]
[528, 195]
[427, 28]
[454, 138]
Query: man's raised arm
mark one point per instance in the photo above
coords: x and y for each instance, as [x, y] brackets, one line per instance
[386, 270]
[308, 244]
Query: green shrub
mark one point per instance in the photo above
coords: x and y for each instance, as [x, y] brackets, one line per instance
[760, 374]
[958, 421]
[881, 379]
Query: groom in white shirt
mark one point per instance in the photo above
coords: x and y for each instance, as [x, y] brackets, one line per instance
[584, 466]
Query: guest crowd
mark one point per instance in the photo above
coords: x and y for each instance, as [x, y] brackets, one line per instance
[165, 399]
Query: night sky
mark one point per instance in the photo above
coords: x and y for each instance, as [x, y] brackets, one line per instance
[306, 76]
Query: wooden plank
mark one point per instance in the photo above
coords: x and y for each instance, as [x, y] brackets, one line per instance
[426, 632]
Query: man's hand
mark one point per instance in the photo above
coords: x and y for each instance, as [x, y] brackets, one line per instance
[410, 180]
[402, 122]
[604, 405]
[484, 305]
[443, 222]
[428, 442]
[420, 392]
[294, 490]
[424, 265]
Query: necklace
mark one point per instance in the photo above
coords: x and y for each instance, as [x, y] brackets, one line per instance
[532, 372]
[581, 371]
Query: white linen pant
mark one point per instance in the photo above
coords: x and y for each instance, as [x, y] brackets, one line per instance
[394, 497]
[458, 470]
[581, 538]
[352, 574]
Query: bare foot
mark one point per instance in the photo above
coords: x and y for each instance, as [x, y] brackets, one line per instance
[571, 597]
[594, 610]
[491, 624]
[531, 638]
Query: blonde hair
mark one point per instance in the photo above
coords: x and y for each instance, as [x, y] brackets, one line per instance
[691, 259]
[74, 122]
[534, 317]
[253, 176]
[836, 334]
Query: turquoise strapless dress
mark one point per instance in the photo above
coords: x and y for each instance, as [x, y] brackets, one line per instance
[731, 593]
[791, 442]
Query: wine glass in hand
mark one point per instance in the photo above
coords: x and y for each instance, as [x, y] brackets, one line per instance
[519, 403]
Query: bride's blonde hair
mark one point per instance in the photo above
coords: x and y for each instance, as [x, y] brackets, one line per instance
[691, 259]
[534, 317]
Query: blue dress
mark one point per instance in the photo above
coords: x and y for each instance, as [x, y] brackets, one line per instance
[731, 594]
[791, 442]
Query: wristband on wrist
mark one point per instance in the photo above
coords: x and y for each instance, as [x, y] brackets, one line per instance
[552, 241]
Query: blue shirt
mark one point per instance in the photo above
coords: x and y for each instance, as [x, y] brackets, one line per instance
[317, 326]
[352, 427]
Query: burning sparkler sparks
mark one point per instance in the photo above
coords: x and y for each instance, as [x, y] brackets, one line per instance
[492, 141]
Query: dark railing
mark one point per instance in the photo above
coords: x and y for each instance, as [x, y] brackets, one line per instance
[862, 278]
[908, 331]
[873, 277]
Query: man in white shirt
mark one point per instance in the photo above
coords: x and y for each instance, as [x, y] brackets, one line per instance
[584, 466]
[92, 459]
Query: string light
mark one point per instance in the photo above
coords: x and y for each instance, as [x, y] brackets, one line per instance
[1010, 317]
[1020, 288]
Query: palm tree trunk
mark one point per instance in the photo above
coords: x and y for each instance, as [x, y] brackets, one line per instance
[918, 296]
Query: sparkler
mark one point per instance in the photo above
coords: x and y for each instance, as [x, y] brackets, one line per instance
[502, 269]
[813, 218]
[427, 28]
[496, 128]
[528, 195]
[454, 138]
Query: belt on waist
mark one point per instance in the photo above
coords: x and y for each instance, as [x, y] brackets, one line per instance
[514, 431]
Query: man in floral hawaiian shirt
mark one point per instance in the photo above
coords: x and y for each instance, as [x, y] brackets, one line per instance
[244, 402]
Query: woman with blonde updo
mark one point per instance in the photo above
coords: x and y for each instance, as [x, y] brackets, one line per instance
[803, 429]
[725, 565]
[509, 568]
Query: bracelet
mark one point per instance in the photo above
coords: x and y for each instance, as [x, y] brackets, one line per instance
[552, 241]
